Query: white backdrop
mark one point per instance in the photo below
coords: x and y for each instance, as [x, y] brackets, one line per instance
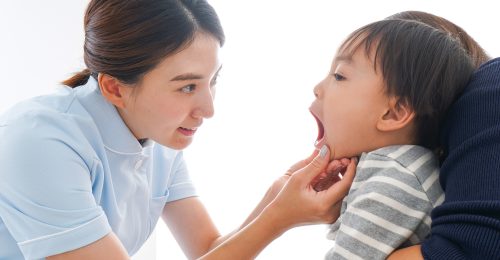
[276, 52]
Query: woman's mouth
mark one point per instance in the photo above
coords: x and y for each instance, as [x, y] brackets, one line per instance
[321, 132]
[187, 131]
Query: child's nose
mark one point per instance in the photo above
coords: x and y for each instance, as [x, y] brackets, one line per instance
[317, 90]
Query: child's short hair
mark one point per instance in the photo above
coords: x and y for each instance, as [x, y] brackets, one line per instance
[426, 68]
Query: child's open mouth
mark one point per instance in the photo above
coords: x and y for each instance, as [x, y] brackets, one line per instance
[321, 132]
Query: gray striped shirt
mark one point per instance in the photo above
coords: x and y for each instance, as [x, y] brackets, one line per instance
[389, 203]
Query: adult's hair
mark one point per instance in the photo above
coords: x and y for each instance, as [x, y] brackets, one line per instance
[127, 38]
[423, 67]
[477, 53]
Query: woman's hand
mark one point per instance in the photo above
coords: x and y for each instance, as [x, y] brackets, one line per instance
[298, 203]
[332, 174]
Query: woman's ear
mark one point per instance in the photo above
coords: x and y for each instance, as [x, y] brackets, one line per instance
[112, 89]
[398, 115]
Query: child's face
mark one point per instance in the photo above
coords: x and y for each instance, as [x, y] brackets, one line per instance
[349, 102]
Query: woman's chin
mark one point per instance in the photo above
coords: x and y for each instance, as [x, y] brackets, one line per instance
[176, 144]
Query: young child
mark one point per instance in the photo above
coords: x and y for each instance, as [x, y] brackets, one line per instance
[387, 92]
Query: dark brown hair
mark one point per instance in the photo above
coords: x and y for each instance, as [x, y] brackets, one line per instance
[127, 38]
[476, 52]
[422, 66]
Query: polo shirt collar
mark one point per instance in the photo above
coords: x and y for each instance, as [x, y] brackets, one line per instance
[116, 136]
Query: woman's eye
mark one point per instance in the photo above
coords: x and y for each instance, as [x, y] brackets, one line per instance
[188, 88]
[338, 77]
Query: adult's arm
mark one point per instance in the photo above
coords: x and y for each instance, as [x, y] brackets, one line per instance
[108, 247]
[277, 212]
[296, 204]
[193, 228]
[467, 224]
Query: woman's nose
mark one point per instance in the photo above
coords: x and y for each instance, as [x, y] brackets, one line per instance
[205, 108]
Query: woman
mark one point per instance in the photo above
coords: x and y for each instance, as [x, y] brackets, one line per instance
[87, 172]
[466, 225]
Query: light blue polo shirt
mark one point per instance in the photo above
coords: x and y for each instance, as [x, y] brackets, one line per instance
[71, 172]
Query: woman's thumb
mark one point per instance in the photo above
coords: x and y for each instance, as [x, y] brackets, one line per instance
[317, 165]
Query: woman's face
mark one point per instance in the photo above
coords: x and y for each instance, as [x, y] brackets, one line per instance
[172, 100]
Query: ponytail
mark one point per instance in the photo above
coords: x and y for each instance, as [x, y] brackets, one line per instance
[78, 79]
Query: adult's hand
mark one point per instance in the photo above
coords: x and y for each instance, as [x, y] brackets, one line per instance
[325, 179]
[333, 173]
[298, 203]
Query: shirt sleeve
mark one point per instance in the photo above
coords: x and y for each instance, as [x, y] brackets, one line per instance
[46, 200]
[384, 209]
[180, 185]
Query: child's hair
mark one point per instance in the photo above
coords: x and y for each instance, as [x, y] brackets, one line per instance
[477, 53]
[423, 67]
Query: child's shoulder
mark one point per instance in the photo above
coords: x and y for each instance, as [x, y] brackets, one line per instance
[412, 157]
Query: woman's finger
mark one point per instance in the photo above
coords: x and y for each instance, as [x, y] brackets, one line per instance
[316, 166]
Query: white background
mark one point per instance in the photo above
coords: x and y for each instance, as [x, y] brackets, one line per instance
[276, 52]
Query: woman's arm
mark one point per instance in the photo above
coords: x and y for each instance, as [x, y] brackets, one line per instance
[191, 226]
[190, 212]
[108, 247]
[282, 208]
[295, 205]
[196, 234]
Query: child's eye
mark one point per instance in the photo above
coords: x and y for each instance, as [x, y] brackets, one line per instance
[188, 88]
[338, 77]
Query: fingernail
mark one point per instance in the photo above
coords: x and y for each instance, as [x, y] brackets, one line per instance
[323, 151]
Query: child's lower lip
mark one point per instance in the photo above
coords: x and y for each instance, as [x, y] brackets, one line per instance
[186, 132]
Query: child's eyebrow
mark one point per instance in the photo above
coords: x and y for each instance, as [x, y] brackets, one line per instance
[344, 58]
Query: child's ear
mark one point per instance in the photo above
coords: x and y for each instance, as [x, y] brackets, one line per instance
[398, 115]
[112, 89]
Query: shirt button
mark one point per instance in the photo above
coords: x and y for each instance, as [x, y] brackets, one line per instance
[138, 164]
